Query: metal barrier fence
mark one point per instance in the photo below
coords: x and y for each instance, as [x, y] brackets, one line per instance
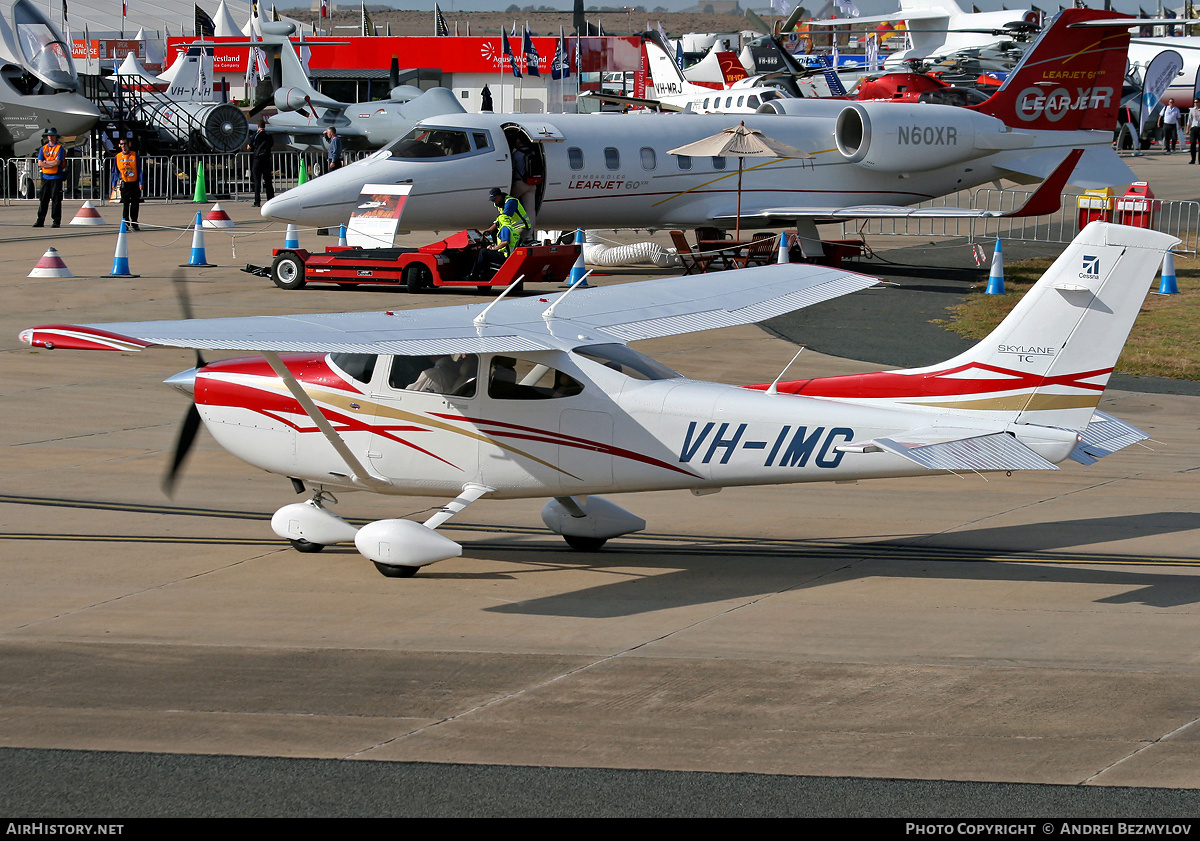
[166, 178]
[1178, 218]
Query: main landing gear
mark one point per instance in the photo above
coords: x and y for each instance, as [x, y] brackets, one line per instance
[400, 547]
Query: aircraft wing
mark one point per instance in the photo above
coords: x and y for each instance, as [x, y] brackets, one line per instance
[946, 449]
[637, 101]
[931, 14]
[1046, 199]
[1104, 436]
[622, 313]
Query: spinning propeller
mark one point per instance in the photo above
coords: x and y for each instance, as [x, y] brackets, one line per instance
[184, 382]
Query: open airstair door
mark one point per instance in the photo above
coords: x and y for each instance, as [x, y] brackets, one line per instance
[529, 161]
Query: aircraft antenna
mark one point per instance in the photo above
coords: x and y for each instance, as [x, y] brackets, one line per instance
[774, 389]
[549, 311]
[480, 320]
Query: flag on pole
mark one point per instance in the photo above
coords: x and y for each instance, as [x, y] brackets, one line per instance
[532, 59]
[205, 28]
[368, 26]
[561, 67]
[324, 8]
[439, 23]
[506, 50]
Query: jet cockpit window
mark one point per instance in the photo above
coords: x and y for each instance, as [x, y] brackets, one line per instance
[483, 141]
[360, 366]
[424, 142]
[511, 378]
[628, 361]
[449, 373]
[45, 54]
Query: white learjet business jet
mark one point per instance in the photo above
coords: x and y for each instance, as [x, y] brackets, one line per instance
[865, 158]
[536, 398]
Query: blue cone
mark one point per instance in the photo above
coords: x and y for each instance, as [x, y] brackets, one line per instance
[578, 271]
[783, 257]
[342, 235]
[996, 275]
[291, 239]
[1168, 286]
[120, 266]
[198, 257]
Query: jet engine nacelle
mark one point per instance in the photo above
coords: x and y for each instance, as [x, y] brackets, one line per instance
[295, 99]
[894, 137]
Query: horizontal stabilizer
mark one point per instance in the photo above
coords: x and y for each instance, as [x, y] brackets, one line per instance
[995, 451]
[1104, 436]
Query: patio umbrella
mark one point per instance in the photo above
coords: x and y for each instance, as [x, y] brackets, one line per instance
[741, 143]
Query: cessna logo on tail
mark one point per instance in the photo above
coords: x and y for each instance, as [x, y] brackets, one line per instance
[1091, 267]
[1034, 102]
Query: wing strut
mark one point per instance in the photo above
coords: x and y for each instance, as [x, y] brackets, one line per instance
[323, 424]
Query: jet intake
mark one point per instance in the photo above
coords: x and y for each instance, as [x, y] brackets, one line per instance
[891, 137]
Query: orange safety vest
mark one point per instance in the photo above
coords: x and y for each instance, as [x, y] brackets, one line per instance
[50, 159]
[127, 166]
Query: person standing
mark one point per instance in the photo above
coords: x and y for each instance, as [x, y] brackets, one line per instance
[335, 150]
[261, 146]
[1193, 126]
[52, 161]
[1168, 121]
[128, 176]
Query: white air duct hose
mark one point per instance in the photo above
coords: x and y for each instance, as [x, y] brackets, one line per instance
[598, 253]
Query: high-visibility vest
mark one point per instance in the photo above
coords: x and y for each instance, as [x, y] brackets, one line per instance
[50, 161]
[517, 223]
[127, 166]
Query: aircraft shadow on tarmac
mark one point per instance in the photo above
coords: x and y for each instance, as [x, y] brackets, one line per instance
[704, 574]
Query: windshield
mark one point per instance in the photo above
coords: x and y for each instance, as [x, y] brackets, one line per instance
[46, 56]
[628, 361]
[424, 142]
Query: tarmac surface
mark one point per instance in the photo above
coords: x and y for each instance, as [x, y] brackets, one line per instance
[1014, 646]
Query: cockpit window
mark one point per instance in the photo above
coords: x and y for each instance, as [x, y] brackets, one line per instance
[628, 361]
[44, 51]
[423, 142]
[520, 379]
[360, 366]
[450, 373]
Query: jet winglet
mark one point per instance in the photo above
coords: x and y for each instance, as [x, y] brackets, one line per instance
[1047, 198]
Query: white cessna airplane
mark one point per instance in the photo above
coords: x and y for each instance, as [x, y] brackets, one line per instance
[865, 158]
[532, 398]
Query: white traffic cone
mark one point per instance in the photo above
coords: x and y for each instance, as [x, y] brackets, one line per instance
[995, 284]
[120, 266]
[291, 239]
[198, 258]
[784, 256]
[217, 218]
[87, 215]
[51, 265]
[579, 273]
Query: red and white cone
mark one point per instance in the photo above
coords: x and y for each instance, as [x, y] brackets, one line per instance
[217, 218]
[88, 215]
[51, 265]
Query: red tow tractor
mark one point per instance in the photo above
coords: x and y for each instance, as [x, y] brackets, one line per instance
[449, 262]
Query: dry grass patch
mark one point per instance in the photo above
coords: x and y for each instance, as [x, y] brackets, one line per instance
[1164, 341]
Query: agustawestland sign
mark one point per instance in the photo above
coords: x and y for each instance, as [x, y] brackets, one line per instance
[451, 54]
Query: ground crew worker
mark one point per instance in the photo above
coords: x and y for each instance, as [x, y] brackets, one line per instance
[128, 176]
[52, 161]
[336, 150]
[512, 222]
[261, 145]
[510, 225]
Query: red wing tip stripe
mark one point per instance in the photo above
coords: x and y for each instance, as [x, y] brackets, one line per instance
[70, 337]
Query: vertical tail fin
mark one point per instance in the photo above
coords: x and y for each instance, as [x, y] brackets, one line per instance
[1049, 361]
[1070, 78]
